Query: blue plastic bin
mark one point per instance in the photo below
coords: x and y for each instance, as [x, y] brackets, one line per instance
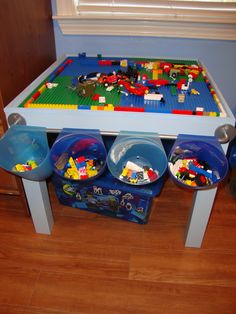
[76, 144]
[21, 144]
[197, 162]
[232, 163]
[137, 158]
[108, 196]
[232, 156]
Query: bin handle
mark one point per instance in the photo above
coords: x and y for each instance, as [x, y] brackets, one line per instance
[225, 133]
[16, 119]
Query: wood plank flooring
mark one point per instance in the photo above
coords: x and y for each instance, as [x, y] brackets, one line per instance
[93, 264]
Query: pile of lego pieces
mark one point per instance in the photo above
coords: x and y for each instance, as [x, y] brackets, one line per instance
[82, 168]
[135, 174]
[191, 171]
[28, 166]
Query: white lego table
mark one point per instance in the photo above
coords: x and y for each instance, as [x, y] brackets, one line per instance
[111, 122]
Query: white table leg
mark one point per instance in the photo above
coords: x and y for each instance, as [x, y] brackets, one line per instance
[39, 205]
[200, 213]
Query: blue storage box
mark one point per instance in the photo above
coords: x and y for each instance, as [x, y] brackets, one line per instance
[108, 196]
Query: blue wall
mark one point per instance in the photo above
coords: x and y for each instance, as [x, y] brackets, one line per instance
[218, 56]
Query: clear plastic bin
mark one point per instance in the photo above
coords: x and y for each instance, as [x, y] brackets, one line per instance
[79, 155]
[137, 158]
[24, 146]
[197, 162]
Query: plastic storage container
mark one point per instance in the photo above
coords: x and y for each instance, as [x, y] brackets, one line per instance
[78, 155]
[232, 164]
[108, 196]
[197, 162]
[25, 152]
[137, 158]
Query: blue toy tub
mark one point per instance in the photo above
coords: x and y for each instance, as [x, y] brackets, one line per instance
[108, 196]
[197, 162]
[137, 158]
[21, 146]
[78, 155]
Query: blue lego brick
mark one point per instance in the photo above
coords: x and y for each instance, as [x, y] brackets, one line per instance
[83, 66]
[82, 55]
[84, 107]
[151, 105]
[132, 101]
[164, 110]
[91, 61]
[52, 77]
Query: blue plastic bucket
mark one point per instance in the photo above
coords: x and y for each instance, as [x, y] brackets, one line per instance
[22, 145]
[197, 162]
[81, 150]
[137, 158]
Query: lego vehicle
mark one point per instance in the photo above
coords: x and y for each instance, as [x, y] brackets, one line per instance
[158, 82]
[110, 79]
[136, 89]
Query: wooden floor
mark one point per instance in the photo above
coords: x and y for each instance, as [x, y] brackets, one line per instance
[95, 264]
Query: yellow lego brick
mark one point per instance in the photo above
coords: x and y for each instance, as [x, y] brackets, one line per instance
[93, 107]
[154, 74]
[72, 163]
[92, 172]
[30, 105]
[20, 168]
[110, 107]
[188, 182]
[155, 66]
[42, 89]
[212, 114]
[215, 98]
[51, 106]
[124, 172]
[32, 163]
[124, 63]
[75, 107]
[72, 173]
[66, 175]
